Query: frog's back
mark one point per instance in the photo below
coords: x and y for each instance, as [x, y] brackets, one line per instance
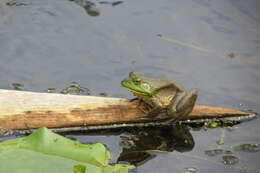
[158, 83]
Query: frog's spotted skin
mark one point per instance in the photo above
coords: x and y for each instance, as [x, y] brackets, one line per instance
[161, 94]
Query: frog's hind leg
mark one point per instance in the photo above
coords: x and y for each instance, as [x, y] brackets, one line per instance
[173, 111]
[144, 107]
[181, 106]
[175, 101]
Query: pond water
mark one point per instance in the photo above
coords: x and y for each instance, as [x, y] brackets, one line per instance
[212, 46]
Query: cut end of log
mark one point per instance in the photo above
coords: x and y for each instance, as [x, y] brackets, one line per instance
[213, 111]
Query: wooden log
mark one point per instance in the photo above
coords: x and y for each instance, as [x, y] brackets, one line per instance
[29, 110]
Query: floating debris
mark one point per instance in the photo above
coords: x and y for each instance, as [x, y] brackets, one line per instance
[230, 160]
[225, 122]
[220, 141]
[14, 132]
[18, 86]
[51, 90]
[76, 89]
[215, 152]
[103, 94]
[89, 7]
[231, 55]
[214, 125]
[111, 3]
[178, 42]
[248, 147]
[116, 3]
[190, 170]
[244, 170]
[16, 3]
[222, 136]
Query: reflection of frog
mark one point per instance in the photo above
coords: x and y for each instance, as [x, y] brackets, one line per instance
[139, 145]
[161, 95]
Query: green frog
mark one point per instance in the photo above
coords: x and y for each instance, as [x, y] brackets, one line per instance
[161, 95]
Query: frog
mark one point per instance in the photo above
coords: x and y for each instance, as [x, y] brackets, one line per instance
[161, 95]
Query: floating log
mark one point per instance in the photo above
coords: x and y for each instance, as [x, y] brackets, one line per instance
[29, 110]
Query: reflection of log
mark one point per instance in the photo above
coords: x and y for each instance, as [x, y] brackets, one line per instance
[27, 110]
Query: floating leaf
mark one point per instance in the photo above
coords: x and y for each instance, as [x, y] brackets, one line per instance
[46, 152]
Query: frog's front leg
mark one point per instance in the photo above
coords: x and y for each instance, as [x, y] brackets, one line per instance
[144, 107]
[182, 104]
[150, 111]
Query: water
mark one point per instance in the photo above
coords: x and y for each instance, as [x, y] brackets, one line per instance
[51, 43]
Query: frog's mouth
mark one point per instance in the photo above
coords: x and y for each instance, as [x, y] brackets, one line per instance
[137, 89]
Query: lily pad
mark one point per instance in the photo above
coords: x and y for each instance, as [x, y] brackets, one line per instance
[46, 152]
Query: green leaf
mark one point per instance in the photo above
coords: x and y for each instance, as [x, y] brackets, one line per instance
[45, 141]
[46, 152]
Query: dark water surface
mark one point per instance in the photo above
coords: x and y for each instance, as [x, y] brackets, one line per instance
[51, 43]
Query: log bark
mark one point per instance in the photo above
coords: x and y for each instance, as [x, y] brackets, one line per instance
[29, 110]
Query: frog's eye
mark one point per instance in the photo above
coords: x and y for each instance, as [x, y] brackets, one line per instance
[134, 77]
[137, 80]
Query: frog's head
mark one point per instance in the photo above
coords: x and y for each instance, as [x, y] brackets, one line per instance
[136, 84]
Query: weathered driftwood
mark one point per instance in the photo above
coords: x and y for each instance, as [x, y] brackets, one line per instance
[28, 110]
